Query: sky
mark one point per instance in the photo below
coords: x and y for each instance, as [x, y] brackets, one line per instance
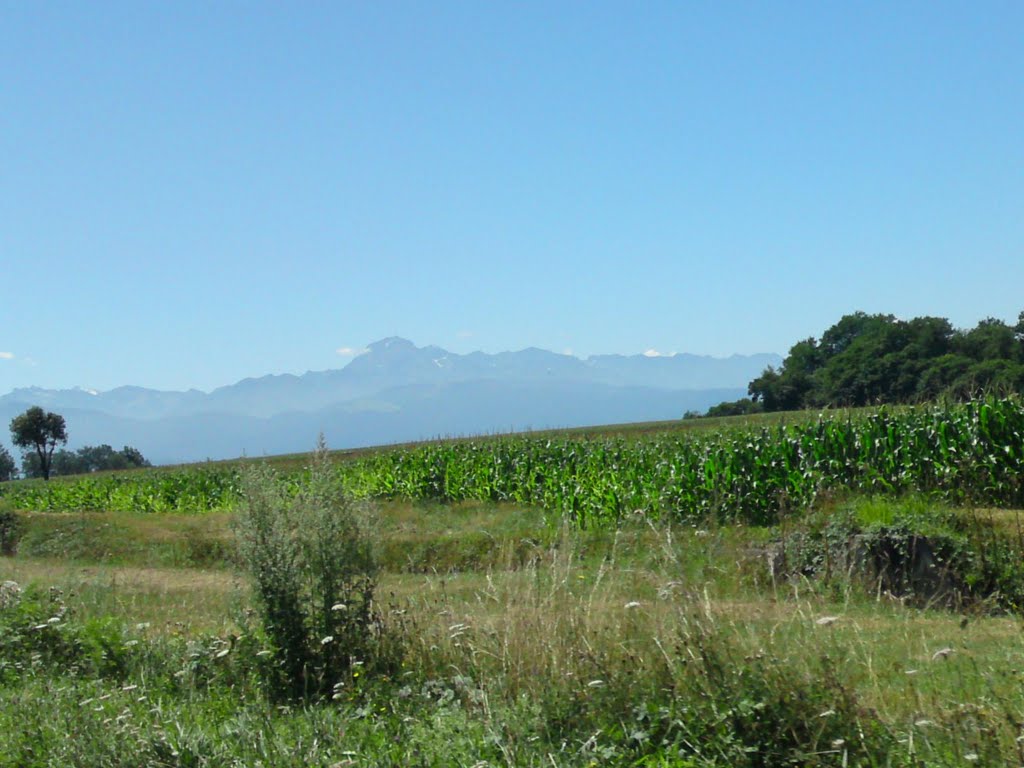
[192, 193]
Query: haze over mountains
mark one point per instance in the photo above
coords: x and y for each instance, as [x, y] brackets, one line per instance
[394, 392]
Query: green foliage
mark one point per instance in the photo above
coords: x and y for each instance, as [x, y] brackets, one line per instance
[974, 562]
[8, 469]
[552, 669]
[11, 528]
[871, 359]
[38, 634]
[742, 407]
[39, 431]
[194, 490]
[91, 458]
[962, 453]
[761, 712]
[311, 559]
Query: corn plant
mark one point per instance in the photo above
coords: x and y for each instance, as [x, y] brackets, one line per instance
[971, 452]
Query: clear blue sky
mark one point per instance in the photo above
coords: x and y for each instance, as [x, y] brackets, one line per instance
[192, 193]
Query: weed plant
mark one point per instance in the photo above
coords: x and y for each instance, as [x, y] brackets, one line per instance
[311, 558]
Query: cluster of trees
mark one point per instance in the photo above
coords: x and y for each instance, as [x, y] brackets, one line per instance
[39, 433]
[91, 458]
[869, 359]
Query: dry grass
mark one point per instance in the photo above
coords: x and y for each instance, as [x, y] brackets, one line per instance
[169, 599]
[566, 622]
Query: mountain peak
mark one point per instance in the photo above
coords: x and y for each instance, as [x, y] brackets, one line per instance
[391, 344]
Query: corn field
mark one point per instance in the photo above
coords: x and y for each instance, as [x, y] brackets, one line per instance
[971, 452]
[192, 490]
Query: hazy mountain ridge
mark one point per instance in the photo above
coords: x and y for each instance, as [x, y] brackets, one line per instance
[394, 392]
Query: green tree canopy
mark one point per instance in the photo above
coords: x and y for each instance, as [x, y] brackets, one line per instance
[867, 359]
[40, 431]
[90, 458]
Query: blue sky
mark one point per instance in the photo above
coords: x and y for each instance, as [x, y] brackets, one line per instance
[192, 193]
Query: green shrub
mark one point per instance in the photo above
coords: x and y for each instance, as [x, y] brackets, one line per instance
[10, 530]
[39, 634]
[310, 555]
[913, 548]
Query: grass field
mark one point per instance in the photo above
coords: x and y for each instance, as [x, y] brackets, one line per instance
[525, 640]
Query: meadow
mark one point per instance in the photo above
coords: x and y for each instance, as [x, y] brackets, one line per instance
[671, 596]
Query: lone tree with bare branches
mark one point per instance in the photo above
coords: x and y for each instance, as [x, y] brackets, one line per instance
[42, 431]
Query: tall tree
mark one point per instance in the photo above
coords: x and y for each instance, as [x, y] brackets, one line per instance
[41, 431]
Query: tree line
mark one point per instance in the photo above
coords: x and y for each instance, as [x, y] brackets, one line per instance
[871, 359]
[39, 432]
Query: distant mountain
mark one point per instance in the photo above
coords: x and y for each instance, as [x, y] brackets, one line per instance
[395, 391]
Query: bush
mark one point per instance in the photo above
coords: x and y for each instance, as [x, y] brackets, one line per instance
[10, 530]
[309, 553]
[914, 549]
[743, 407]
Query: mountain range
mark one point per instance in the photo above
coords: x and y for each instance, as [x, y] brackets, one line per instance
[393, 392]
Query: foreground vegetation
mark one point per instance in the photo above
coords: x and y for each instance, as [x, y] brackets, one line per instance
[649, 646]
[477, 628]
